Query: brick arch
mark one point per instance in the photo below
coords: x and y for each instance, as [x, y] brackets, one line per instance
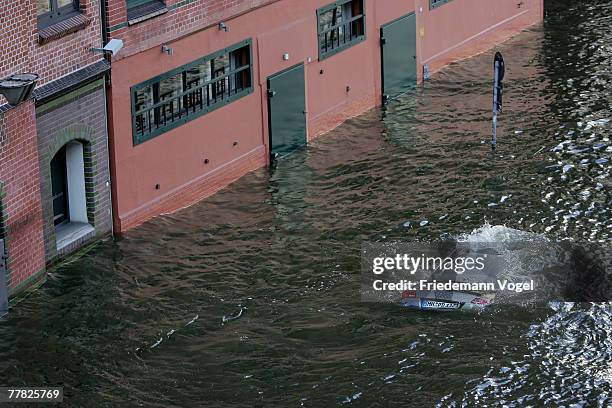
[85, 135]
[76, 132]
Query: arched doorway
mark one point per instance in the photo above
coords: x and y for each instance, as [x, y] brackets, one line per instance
[68, 194]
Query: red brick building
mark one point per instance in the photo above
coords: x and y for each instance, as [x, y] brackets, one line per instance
[60, 129]
[20, 196]
[205, 91]
[202, 92]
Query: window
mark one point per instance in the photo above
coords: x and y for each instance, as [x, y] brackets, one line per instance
[135, 3]
[52, 11]
[341, 25]
[140, 8]
[436, 3]
[185, 93]
[59, 188]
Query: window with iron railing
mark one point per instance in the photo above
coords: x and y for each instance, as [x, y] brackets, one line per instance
[436, 3]
[341, 25]
[190, 91]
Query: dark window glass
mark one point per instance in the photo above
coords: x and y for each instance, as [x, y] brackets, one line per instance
[43, 6]
[143, 99]
[240, 59]
[187, 92]
[141, 8]
[136, 3]
[220, 66]
[59, 187]
[198, 74]
[436, 3]
[341, 25]
[53, 11]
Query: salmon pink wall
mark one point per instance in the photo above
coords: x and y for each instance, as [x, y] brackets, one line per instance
[359, 67]
[174, 160]
[462, 28]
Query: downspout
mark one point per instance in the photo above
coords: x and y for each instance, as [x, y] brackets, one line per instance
[103, 22]
[107, 106]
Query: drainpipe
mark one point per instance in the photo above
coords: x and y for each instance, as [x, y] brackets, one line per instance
[103, 22]
[3, 280]
[107, 83]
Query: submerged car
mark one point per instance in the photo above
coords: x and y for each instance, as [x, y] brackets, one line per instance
[445, 300]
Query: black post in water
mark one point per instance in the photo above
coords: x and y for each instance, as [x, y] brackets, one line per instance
[3, 291]
[498, 88]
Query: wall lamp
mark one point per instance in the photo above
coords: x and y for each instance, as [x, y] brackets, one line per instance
[18, 87]
[167, 49]
[223, 27]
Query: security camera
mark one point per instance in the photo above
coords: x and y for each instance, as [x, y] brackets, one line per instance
[113, 47]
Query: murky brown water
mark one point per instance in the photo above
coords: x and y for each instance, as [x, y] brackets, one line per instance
[251, 298]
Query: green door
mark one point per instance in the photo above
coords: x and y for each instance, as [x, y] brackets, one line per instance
[399, 69]
[286, 110]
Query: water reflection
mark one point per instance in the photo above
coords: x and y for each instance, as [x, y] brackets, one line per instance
[251, 297]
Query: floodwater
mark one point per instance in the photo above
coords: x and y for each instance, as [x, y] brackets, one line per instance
[251, 298]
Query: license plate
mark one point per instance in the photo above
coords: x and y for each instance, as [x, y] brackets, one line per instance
[439, 304]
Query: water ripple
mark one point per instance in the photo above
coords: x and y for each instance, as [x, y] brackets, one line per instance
[159, 317]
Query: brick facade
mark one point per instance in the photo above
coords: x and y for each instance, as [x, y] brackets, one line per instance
[166, 172]
[78, 116]
[22, 51]
[182, 18]
[52, 53]
[198, 158]
[20, 201]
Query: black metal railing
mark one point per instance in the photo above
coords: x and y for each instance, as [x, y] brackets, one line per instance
[195, 99]
[341, 34]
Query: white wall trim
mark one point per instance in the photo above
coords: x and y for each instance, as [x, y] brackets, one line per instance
[75, 170]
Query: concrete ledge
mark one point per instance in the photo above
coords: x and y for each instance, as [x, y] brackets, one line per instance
[146, 11]
[62, 28]
[70, 82]
[72, 235]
